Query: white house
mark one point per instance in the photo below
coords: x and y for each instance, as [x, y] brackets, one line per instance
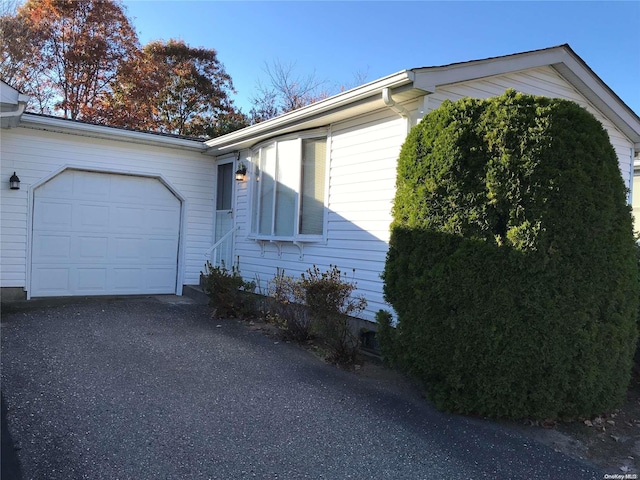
[103, 210]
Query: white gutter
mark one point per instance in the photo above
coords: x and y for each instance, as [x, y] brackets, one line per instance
[13, 116]
[61, 125]
[332, 103]
[14, 113]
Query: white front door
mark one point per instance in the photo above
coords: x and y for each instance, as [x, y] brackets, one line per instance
[223, 255]
[104, 234]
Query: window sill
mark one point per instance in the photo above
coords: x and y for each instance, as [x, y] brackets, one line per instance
[279, 242]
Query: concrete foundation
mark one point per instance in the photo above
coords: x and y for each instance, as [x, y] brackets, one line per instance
[12, 294]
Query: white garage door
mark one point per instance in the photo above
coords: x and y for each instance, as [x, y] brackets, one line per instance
[104, 234]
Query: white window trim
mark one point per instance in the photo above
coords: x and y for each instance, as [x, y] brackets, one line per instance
[296, 238]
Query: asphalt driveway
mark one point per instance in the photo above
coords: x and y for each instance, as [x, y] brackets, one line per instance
[145, 389]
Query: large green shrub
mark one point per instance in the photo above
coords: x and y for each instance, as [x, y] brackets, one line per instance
[511, 263]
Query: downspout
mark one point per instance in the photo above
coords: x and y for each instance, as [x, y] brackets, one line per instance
[399, 109]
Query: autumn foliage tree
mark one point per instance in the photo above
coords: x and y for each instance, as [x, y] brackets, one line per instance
[173, 88]
[82, 60]
[195, 87]
[65, 53]
[19, 49]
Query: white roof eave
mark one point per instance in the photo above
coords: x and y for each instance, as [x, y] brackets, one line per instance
[306, 117]
[562, 58]
[566, 62]
[61, 125]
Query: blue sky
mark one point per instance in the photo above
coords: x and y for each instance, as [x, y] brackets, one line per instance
[339, 41]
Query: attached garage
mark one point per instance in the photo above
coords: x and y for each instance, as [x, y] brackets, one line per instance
[100, 233]
[100, 210]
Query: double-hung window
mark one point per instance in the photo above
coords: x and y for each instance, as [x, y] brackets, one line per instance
[289, 188]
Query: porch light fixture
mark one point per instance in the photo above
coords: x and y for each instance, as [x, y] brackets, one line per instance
[241, 172]
[14, 182]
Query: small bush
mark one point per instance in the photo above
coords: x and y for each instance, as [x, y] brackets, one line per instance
[287, 308]
[329, 296]
[224, 290]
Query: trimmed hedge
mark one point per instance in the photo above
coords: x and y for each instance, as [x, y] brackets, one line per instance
[511, 263]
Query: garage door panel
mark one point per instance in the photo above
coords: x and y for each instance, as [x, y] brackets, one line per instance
[59, 187]
[127, 279]
[52, 248]
[92, 242]
[92, 248]
[91, 281]
[90, 186]
[130, 248]
[159, 191]
[127, 218]
[161, 220]
[130, 190]
[163, 250]
[91, 216]
[54, 214]
[51, 281]
[159, 279]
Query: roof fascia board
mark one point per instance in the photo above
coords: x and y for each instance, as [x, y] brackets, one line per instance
[600, 95]
[11, 96]
[60, 125]
[317, 120]
[565, 62]
[429, 78]
[296, 117]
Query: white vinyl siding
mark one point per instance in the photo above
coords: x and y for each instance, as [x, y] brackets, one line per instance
[37, 154]
[362, 156]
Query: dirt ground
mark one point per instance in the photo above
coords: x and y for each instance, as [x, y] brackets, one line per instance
[611, 441]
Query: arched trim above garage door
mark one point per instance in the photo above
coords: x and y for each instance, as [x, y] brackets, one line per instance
[145, 178]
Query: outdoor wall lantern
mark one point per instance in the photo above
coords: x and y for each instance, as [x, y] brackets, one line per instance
[241, 172]
[14, 182]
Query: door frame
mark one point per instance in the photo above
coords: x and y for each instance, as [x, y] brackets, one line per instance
[222, 160]
[157, 176]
